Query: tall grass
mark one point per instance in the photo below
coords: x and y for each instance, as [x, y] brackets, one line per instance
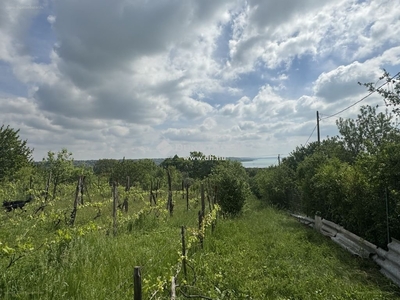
[265, 254]
[262, 254]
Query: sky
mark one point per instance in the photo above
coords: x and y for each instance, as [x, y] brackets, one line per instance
[151, 79]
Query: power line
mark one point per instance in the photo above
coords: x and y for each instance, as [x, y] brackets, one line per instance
[310, 135]
[362, 99]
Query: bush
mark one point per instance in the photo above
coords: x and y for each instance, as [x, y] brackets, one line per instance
[233, 187]
[14, 153]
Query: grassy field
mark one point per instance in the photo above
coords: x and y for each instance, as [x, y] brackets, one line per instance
[266, 254]
[263, 254]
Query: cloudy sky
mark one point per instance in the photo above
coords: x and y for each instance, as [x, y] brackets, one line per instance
[140, 78]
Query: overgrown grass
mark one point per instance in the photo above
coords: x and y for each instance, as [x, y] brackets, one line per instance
[263, 254]
[266, 254]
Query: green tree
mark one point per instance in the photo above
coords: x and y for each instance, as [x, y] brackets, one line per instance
[232, 186]
[368, 131]
[390, 93]
[105, 167]
[180, 163]
[311, 200]
[277, 185]
[61, 168]
[14, 152]
[299, 154]
[329, 184]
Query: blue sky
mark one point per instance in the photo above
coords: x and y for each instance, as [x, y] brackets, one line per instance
[136, 79]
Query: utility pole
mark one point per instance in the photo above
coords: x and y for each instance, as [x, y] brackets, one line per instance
[279, 159]
[319, 139]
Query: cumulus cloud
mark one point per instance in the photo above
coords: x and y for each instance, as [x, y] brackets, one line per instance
[120, 77]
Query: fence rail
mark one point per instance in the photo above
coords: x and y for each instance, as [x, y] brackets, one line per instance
[389, 261]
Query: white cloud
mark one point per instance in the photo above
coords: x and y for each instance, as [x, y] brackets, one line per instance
[124, 75]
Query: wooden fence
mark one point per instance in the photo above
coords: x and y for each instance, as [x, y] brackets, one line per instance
[389, 261]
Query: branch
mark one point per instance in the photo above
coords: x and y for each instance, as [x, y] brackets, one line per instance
[13, 260]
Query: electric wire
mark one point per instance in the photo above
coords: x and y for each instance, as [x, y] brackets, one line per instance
[362, 99]
[310, 135]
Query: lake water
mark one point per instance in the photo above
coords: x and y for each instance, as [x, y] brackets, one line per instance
[260, 162]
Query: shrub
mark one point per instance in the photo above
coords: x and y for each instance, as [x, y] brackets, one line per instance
[233, 187]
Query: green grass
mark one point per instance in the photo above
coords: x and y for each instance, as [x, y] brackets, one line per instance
[263, 254]
[266, 254]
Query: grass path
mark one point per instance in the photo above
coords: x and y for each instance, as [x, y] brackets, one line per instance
[266, 254]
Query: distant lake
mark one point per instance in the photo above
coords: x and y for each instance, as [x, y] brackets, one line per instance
[260, 162]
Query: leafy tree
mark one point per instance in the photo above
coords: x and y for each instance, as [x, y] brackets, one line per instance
[299, 154]
[181, 164]
[197, 166]
[232, 186]
[382, 173]
[310, 196]
[390, 93]
[146, 171]
[14, 153]
[105, 167]
[329, 184]
[61, 168]
[277, 185]
[368, 131]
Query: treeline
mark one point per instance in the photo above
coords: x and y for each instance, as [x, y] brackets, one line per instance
[352, 179]
[21, 178]
[146, 173]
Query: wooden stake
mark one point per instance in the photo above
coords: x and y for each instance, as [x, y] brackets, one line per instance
[81, 187]
[46, 196]
[137, 284]
[184, 251]
[170, 204]
[200, 229]
[173, 288]
[203, 201]
[115, 206]
[187, 196]
[73, 213]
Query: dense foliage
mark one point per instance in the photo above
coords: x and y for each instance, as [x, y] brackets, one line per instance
[233, 189]
[352, 179]
[14, 153]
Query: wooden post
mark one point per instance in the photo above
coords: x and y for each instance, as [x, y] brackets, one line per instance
[81, 187]
[170, 204]
[187, 196]
[115, 206]
[173, 288]
[150, 194]
[127, 188]
[203, 201]
[128, 184]
[137, 284]
[184, 252]
[158, 185]
[46, 195]
[200, 229]
[209, 200]
[73, 213]
[214, 223]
